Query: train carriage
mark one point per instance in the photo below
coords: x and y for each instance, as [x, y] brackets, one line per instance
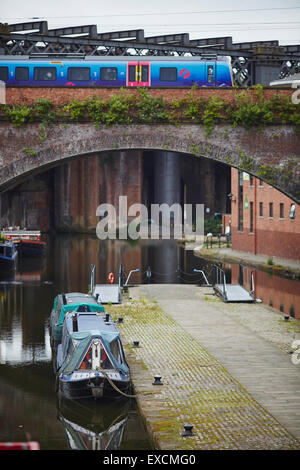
[112, 71]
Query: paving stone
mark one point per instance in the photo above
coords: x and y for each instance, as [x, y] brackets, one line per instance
[231, 399]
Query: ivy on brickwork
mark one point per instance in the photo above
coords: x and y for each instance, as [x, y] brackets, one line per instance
[245, 163]
[249, 109]
[278, 175]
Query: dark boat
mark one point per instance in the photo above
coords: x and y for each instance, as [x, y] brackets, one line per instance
[90, 359]
[28, 242]
[8, 255]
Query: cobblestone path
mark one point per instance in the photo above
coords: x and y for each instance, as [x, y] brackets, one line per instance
[196, 388]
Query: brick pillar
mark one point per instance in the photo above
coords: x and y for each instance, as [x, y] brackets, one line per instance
[63, 218]
[167, 178]
[121, 175]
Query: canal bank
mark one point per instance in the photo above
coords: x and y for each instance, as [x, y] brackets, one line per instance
[225, 369]
[273, 265]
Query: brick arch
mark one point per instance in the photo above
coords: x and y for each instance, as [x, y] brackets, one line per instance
[29, 149]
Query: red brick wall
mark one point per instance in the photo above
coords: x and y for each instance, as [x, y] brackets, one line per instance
[29, 204]
[59, 95]
[84, 183]
[273, 236]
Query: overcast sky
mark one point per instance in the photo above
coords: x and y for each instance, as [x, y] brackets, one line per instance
[243, 20]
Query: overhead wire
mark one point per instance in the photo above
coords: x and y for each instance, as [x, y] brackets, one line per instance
[168, 13]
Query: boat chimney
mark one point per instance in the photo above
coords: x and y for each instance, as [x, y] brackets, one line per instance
[75, 322]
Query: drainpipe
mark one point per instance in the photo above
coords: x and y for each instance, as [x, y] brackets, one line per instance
[254, 215]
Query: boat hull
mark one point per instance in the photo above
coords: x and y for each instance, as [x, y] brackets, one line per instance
[31, 248]
[96, 388]
[7, 263]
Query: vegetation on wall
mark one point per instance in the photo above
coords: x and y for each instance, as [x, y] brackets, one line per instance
[247, 110]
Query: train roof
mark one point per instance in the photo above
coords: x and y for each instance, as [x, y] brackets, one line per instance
[74, 57]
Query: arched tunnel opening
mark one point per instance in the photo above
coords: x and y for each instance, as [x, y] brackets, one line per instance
[65, 198]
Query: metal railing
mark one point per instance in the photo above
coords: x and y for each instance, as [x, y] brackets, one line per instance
[203, 274]
[213, 239]
[219, 277]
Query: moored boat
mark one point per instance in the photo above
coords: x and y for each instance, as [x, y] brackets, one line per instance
[90, 358]
[8, 255]
[28, 242]
[73, 301]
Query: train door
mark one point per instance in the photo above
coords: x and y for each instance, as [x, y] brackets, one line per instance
[132, 74]
[138, 74]
[211, 73]
[144, 74]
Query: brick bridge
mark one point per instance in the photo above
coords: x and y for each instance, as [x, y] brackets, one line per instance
[274, 151]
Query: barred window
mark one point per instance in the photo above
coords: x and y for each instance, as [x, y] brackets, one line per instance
[281, 210]
[251, 217]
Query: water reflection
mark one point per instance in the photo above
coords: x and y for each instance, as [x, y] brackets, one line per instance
[28, 405]
[28, 402]
[100, 426]
[278, 292]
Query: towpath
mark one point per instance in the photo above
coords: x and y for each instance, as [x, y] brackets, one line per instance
[225, 368]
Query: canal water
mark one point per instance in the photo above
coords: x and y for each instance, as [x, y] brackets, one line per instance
[29, 407]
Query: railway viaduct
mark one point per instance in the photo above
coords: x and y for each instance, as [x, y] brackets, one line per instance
[274, 150]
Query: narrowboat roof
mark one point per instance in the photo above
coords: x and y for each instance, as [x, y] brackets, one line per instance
[76, 297]
[76, 301]
[76, 307]
[89, 321]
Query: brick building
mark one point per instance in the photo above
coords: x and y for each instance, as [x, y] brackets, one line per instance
[263, 220]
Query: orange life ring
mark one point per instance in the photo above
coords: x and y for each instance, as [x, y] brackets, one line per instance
[111, 278]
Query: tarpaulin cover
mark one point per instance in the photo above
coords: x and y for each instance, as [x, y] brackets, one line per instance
[84, 339]
[74, 308]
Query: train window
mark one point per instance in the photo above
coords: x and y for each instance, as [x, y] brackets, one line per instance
[44, 74]
[145, 73]
[132, 73]
[22, 74]
[4, 73]
[108, 74]
[210, 73]
[81, 74]
[168, 74]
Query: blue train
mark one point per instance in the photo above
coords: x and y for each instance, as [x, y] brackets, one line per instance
[125, 71]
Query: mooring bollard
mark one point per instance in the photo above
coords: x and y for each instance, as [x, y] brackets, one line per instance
[136, 344]
[157, 380]
[188, 430]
